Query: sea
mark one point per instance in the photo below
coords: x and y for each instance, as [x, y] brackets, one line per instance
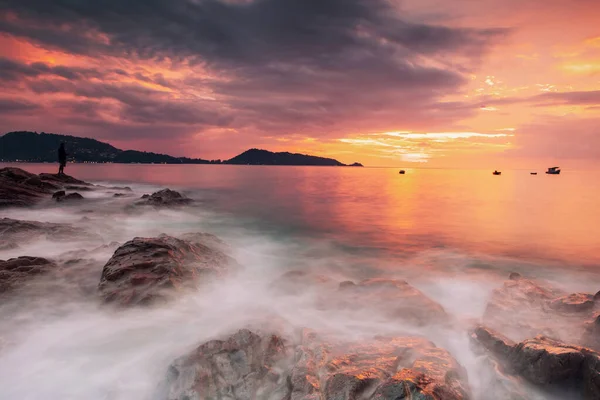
[454, 234]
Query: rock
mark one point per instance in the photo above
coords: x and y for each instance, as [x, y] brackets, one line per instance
[245, 366]
[396, 298]
[119, 195]
[58, 195]
[164, 198]
[147, 269]
[545, 361]
[62, 180]
[591, 333]
[514, 276]
[296, 282]
[70, 197]
[575, 302]
[19, 188]
[19, 231]
[17, 271]
[523, 308]
[252, 365]
[591, 377]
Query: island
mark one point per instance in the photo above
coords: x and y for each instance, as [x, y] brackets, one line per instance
[25, 146]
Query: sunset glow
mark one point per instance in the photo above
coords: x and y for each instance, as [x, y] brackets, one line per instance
[381, 82]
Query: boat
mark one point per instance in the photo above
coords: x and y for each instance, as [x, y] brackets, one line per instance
[402, 172]
[533, 173]
[496, 172]
[553, 171]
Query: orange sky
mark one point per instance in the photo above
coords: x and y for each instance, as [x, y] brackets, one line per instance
[503, 84]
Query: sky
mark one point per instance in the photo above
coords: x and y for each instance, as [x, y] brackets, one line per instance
[424, 83]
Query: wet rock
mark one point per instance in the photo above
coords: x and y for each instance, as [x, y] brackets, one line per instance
[514, 276]
[575, 302]
[19, 231]
[591, 377]
[62, 180]
[252, 365]
[19, 188]
[545, 361]
[59, 194]
[120, 195]
[523, 308]
[245, 366]
[144, 270]
[164, 198]
[16, 272]
[591, 333]
[396, 298]
[70, 197]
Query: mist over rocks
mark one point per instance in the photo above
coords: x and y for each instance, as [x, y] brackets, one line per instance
[250, 365]
[146, 270]
[524, 308]
[20, 232]
[16, 272]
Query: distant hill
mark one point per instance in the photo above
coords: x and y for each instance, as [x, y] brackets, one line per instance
[264, 157]
[42, 147]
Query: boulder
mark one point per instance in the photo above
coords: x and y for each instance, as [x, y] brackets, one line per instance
[144, 270]
[523, 308]
[396, 298]
[59, 194]
[19, 188]
[16, 272]
[164, 198]
[18, 231]
[70, 197]
[545, 361]
[252, 365]
[576, 302]
[591, 333]
[245, 366]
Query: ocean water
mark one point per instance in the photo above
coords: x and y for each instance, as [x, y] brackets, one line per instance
[453, 234]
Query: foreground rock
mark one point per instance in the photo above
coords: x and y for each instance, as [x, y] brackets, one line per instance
[545, 361]
[16, 272]
[164, 198]
[523, 308]
[20, 188]
[20, 232]
[145, 270]
[257, 366]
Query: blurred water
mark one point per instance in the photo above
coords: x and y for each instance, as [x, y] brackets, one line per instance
[453, 234]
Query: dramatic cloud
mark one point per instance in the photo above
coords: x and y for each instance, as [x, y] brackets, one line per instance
[216, 75]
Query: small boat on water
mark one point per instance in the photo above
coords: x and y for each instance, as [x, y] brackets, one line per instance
[402, 172]
[533, 173]
[553, 171]
[496, 172]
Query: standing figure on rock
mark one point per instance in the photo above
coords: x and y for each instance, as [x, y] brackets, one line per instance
[62, 159]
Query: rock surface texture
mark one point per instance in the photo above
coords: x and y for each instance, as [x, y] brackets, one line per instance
[545, 361]
[16, 272]
[147, 269]
[251, 365]
[19, 232]
[164, 198]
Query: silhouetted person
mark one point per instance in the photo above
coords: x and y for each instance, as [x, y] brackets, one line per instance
[62, 159]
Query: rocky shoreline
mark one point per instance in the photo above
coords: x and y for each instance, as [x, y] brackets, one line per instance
[531, 334]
